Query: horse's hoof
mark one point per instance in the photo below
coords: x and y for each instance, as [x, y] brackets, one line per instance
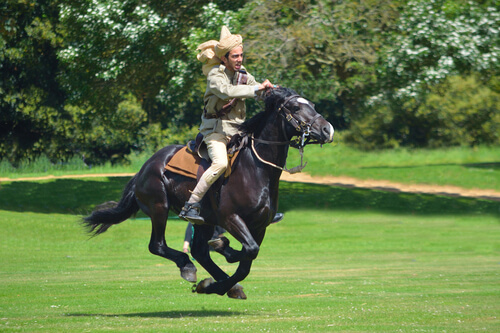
[219, 244]
[236, 292]
[188, 273]
[201, 287]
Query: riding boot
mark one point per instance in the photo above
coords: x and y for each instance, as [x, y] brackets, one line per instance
[191, 212]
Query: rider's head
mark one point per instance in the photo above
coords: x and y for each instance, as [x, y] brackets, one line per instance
[230, 49]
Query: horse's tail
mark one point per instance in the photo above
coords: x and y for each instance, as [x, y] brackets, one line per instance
[111, 212]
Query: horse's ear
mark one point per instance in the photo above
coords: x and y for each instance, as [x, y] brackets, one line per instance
[271, 97]
[267, 93]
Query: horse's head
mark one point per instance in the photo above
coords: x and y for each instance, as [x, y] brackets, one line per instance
[300, 117]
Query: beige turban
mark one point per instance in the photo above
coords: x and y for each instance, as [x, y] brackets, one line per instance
[227, 42]
[211, 52]
[207, 55]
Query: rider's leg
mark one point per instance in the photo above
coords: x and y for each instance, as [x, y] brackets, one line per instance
[217, 151]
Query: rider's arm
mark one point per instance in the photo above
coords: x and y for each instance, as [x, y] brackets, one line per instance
[219, 84]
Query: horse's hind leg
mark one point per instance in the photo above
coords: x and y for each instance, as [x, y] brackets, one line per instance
[221, 245]
[158, 244]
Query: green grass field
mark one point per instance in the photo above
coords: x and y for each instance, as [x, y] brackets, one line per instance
[348, 260]
[461, 166]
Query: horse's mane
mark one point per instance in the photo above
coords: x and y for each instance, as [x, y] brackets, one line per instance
[272, 100]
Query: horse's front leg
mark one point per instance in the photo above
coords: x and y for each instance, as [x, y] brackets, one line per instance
[200, 252]
[229, 285]
[249, 252]
[250, 247]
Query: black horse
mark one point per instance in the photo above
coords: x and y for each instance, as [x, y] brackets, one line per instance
[244, 204]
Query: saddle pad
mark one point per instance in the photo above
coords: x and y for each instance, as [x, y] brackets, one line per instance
[187, 164]
[184, 163]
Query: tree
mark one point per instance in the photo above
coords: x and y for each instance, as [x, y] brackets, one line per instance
[432, 41]
[30, 97]
[438, 38]
[141, 48]
[134, 46]
[324, 49]
[69, 69]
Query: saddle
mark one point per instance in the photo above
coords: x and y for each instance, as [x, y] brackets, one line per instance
[187, 161]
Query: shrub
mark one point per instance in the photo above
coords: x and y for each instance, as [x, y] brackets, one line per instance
[462, 111]
[459, 111]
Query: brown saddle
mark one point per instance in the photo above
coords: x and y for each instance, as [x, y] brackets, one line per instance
[187, 162]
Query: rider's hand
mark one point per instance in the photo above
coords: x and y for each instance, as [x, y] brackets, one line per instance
[265, 85]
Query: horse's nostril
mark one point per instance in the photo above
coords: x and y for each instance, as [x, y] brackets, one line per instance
[328, 132]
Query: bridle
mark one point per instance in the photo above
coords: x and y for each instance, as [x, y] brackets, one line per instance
[300, 126]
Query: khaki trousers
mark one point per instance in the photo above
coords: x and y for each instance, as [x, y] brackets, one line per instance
[217, 151]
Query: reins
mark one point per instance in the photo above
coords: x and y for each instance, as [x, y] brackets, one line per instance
[293, 170]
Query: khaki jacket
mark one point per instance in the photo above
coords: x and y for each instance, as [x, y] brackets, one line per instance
[221, 88]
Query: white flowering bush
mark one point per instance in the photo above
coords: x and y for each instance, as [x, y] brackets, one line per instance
[434, 40]
[110, 34]
[118, 51]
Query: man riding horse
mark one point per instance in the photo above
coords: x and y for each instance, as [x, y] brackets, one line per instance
[228, 85]
[245, 203]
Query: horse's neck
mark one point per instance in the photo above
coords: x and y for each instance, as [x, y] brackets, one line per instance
[272, 153]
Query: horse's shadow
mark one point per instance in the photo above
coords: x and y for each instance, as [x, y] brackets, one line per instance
[163, 314]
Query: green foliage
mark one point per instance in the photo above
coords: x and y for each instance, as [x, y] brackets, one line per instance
[103, 78]
[432, 41]
[323, 49]
[99, 78]
[103, 136]
[30, 97]
[462, 111]
[132, 43]
[374, 130]
[459, 111]
[142, 47]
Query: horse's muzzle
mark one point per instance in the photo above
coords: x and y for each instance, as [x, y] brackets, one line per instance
[328, 132]
[324, 131]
